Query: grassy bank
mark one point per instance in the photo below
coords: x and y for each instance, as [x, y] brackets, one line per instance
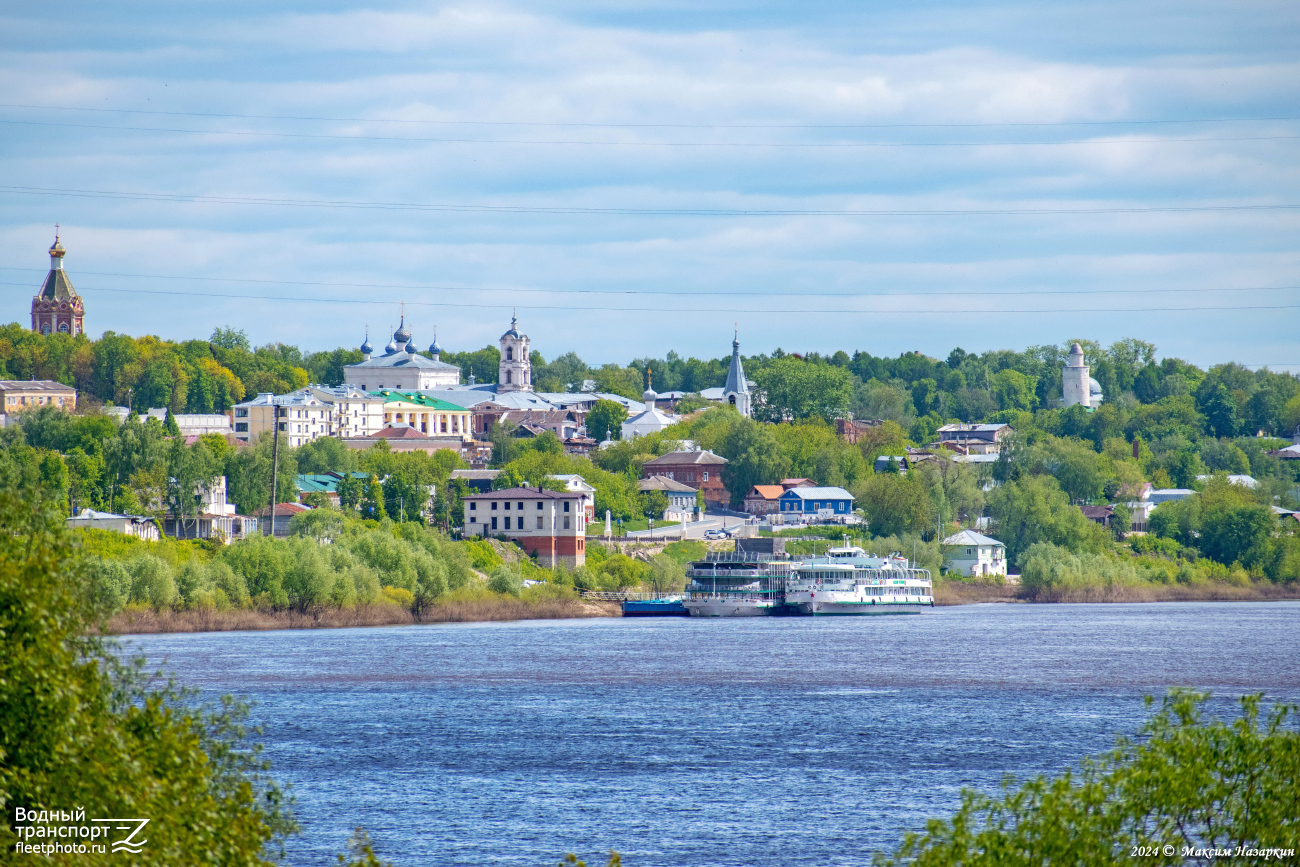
[967, 593]
[456, 608]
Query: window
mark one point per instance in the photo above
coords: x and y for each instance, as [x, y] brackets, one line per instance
[241, 413]
[494, 521]
[539, 505]
[473, 507]
[539, 522]
[508, 377]
[706, 475]
[521, 507]
[510, 356]
[566, 521]
[566, 508]
[507, 507]
[473, 520]
[494, 506]
[241, 426]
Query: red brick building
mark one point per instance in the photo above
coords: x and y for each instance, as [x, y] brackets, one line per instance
[701, 470]
[550, 524]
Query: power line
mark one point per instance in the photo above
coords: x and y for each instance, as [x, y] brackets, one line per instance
[653, 212]
[594, 125]
[653, 292]
[683, 144]
[578, 308]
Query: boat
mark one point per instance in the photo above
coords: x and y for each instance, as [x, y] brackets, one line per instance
[737, 584]
[668, 606]
[847, 580]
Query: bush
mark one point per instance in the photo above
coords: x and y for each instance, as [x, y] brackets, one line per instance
[1048, 570]
[151, 582]
[505, 579]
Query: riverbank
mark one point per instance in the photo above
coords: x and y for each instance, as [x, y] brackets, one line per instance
[962, 593]
[141, 621]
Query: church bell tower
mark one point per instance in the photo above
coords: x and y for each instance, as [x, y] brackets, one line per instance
[57, 308]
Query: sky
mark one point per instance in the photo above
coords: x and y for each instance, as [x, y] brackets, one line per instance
[639, 177]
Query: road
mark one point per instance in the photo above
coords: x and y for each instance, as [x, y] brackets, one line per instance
[694, 530]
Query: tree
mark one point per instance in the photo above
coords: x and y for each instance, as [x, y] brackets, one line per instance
[1186, 782]
[1035, 509]
[170, 427]
[350, 490]
[81, 728]
[1121, 520]
[403, 499]
[605, 420]
[1236, 534]
[896, 504]
[230, 338]
[1013, 389]
[654, 504]
[757, 459]
[372, 501]
[793, 389]
[1221, 412]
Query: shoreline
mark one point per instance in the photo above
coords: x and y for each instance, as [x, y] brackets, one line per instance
[146, 621]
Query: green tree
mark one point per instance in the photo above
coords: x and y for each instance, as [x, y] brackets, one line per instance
[1013, 389]
[1221, 412]
[795, 389]
[372, 501]
[605, 420]
[404, 500]
[1035, 509]
[350, 490]
[757, 459]
[654, 504]
[54, 476]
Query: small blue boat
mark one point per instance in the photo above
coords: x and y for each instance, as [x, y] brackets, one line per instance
[670, 607]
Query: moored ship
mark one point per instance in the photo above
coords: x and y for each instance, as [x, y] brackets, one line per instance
[737, 584]
[847, 580]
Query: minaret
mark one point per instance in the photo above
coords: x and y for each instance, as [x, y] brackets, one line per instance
[1074, 379]
[516, 371]
[736, 391]
[57, 308]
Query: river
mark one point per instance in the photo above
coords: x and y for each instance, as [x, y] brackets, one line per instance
[784, 741]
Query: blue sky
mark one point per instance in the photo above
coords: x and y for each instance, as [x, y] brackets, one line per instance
[890, 140]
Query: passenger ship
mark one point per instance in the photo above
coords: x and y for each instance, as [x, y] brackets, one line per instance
[850, 581]
[736, 584]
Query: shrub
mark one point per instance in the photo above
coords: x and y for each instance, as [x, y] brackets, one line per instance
[151, 582]
[505, 579]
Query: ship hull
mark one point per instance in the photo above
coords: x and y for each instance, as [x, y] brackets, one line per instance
[730, 608]
[821, 606]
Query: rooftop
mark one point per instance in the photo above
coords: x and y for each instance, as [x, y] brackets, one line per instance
[767, 492]
[970, 537]
[35, 385]
[660, 483]
[418, 398]
[675, 459]
[526, 494]
[819, 493]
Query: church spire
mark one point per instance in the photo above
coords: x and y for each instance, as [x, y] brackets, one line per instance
[736, 391]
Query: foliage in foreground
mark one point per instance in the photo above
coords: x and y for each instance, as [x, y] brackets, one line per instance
[1187, 783]
[81, 730]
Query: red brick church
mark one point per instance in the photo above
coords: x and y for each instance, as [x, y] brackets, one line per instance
[57, 308]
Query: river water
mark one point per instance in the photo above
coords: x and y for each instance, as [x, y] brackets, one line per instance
[785, 741]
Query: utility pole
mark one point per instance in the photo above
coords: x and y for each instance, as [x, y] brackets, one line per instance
[275, 461]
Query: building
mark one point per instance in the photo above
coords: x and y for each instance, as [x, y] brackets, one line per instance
[736, 389]
[902, 462]
[284, 513]
[819, 503]
[650, 420]
[1077, 388]
[476, 480]
[853, 430]
[428, 415]
[681, 498]
[1234, 479]
[190, 424]
[357, 413]
[19, 395]
[701, 470]
[764, 499]
[324, 483]
[1098, 514]
[974, 554]
[550, 525]
[57, 308]
[205, 525]
[400, 366]
[787, 484]
[128, 525]
[515, 371]
[303, 417]
[576, 483]
[404, 438]
[1167, 495]
[531, 422]
[973, 439]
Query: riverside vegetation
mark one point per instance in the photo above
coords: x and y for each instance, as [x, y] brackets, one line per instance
[82, 730]
[1164, 421]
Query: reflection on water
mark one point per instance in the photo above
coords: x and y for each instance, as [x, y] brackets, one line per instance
[720, 742]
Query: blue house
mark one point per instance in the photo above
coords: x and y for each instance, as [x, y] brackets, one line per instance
[810, 501]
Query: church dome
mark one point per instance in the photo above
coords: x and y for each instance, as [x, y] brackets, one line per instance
[434, 348]
[56, 250]
[402, 334]
[1094, 387]
[649, 394]
[366, 348]
[514, 329]
[410, 348]
[390, 348]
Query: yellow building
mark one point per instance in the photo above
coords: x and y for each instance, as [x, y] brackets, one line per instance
[428, 415]
[19, 395]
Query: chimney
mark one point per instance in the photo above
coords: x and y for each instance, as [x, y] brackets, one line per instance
[1136, 443]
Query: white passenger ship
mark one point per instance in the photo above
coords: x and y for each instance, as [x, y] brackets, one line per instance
[850, 581]
[736, 585]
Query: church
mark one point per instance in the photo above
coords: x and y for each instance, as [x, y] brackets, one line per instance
[57, 308]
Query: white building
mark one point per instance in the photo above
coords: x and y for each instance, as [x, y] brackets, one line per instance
[576, 483]
[357, 413]
[681, 498]
[400, 366]
[515, 372]
[127, 525]
[975, 554]
[736, 389]
[302, 417]
[650, 420]
[1077, 388]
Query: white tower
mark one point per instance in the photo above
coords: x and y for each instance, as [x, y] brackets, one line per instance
[1074, 380]
[736, 391]
[516, 371]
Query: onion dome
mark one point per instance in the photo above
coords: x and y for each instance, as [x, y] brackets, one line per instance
[56, 250]
[391, 348]
[649, 394]
[410, 348]
[402, 334]
[366, 348]
[514, 329]
[435, 348]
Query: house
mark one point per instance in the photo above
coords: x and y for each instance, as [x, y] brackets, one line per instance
[533, 422]
[190, 424]
[852, 430]
[550, 525]
[429, 415]
[764, 499]
[324, 483]
[787, 484]
[902, 462]
[303, 417]
[284, 513]
[128, 525]
[356, 412]
[699, 469]
[681, 498]
[476, 480]
[1098, 514]
[575, 482]
[820, 503]
[17, 395]
[1290, 453]
[1233, 479]
[1167, 495]
[404, 438]
[206, 525]
[973, 439]
[974, 554]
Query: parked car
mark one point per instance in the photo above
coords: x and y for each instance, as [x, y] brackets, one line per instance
[714, 535]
